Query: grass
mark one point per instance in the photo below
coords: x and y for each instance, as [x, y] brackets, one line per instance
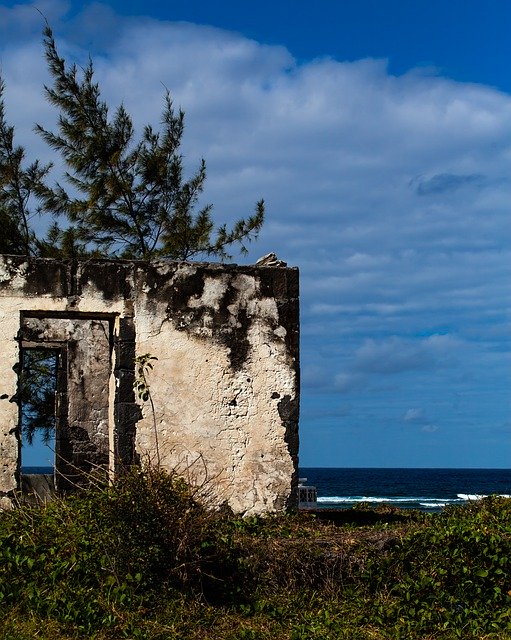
[143, 559]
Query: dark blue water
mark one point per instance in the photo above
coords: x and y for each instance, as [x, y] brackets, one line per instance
[29, 470]
[425, 489]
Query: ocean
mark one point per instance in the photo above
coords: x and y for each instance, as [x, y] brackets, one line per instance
[37, 470]
[424, 489]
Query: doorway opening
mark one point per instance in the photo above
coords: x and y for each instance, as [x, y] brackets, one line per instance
[77, 408]
[38, 386]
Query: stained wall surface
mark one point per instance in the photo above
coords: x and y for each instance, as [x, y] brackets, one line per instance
[223, 410]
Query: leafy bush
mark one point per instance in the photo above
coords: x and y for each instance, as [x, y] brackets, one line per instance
[143, 559]
[91, 557]
[453, 574]
[162, 530]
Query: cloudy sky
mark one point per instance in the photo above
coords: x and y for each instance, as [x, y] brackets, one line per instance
[379, 134]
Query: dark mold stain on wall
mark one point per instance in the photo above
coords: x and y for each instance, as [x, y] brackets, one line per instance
[173, 284]
[171, 291]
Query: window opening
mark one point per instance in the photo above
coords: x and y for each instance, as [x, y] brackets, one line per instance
[37, 397]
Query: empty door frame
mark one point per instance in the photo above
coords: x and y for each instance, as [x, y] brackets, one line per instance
[100, 435]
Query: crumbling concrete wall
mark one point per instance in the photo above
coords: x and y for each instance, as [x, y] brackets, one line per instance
[224, 390]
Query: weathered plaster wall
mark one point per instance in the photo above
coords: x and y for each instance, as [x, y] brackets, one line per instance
[224, 387]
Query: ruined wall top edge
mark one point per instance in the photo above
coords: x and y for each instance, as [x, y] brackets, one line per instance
[120, 279]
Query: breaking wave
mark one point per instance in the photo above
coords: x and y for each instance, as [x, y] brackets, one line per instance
[410, 502]
[475, 496]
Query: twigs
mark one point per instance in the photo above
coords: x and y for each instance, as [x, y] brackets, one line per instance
[143, 364]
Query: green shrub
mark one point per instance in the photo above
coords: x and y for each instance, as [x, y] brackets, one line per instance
[453, 574]
[163, 532]
[143, 559]
[90, 558]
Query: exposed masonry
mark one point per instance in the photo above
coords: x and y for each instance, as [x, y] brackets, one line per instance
[224, 387]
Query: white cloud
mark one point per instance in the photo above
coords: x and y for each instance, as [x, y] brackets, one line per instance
[390, 192]
[348, 382]
[22, 20]
[417, 417]
[414, 415]
[398, 355]
[429, 428]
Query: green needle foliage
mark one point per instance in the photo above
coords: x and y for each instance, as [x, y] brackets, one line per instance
[36, 392]
[132, 199]
[18, 184]
[122, 197]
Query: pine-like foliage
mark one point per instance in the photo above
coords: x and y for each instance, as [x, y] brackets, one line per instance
[18, 183]
[126, 198]
[36, 391]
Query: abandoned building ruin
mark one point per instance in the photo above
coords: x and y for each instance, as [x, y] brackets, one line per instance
[224, 388]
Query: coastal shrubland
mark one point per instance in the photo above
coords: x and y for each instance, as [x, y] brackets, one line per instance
[144, 558]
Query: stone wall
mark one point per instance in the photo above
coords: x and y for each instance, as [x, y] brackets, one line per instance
[224, 389]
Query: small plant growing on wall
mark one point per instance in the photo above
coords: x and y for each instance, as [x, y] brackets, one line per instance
[143, 365]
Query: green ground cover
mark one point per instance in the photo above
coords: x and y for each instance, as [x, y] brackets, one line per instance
[144, 560]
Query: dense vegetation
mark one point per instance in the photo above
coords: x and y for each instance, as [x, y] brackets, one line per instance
[144, 559]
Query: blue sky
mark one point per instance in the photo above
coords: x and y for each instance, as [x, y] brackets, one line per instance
[379, 134]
